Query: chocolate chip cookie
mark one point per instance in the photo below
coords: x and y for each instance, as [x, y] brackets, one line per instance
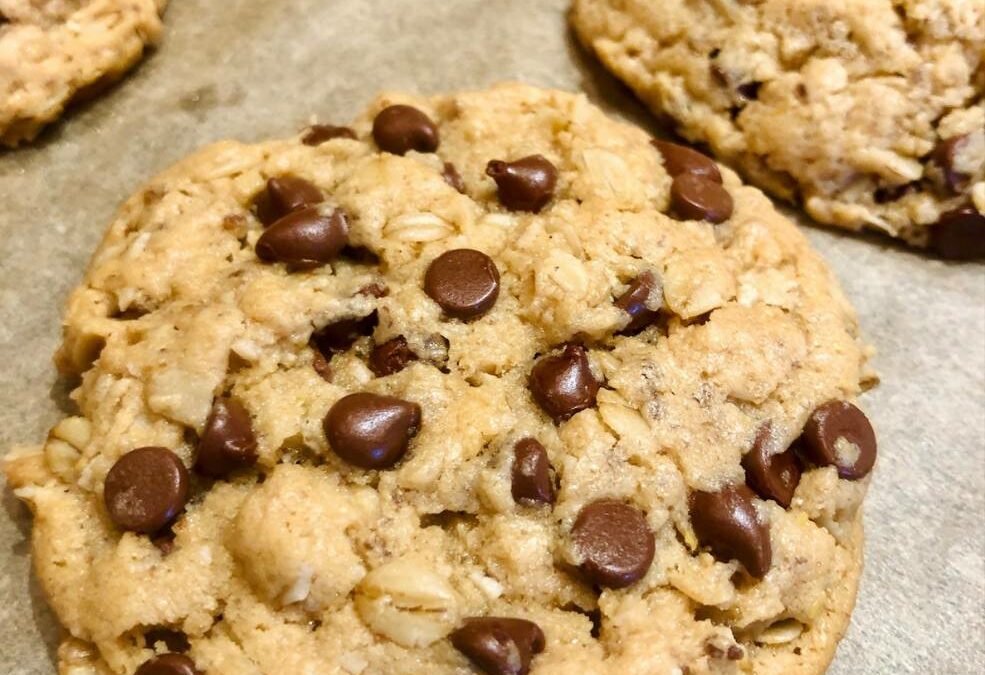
[869, 113]
[55, 51]
[485, 382]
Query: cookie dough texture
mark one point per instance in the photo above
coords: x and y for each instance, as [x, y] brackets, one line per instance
[56, 51]
[838, 105]
[308, 565]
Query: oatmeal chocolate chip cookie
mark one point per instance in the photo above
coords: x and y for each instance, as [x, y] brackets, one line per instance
[870, 113]
[55, 51]
[339, 412]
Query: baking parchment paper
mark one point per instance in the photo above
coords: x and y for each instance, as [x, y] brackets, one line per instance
[256, 69]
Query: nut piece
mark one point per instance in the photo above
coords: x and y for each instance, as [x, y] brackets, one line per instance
[64, 446]
[408, 602]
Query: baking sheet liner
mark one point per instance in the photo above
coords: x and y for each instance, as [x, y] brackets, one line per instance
[255, 69]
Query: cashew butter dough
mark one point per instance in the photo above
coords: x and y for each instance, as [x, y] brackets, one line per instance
[53, 52]
[484, 383]
[869, 113]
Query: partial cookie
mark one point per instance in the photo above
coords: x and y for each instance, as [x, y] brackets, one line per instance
[55, 51]
[456, 389]
[867, 112]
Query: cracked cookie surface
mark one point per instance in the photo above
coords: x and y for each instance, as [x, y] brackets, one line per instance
[53, 52]
[869, 113]
[475, 403]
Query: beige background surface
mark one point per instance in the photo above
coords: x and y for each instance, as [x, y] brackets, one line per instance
[253, 69]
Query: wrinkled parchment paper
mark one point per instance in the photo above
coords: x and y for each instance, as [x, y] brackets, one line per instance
[256, 69]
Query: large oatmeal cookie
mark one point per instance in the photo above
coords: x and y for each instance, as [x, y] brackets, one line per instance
[455, 388]
[868, 112]
[55, 51]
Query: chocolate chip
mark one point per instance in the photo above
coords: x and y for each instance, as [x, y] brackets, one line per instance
[960, 234]
[637, 302]
[320, 133]
[563, 384]
[526, 184]
[839, 434]
[694, 197]
[227, 442]
[532, 481]
[727, 523]
[168, 664]
[614, 542]
[944, 156]
[391, 357]
[464, 282]
[499, 645]
[175, 640]
[772, 475]
[371, 431]
[680, 159]
[146, 489]
[304, 239]
[338, 336]
[401, 128]
[284, 195]
[452, 177]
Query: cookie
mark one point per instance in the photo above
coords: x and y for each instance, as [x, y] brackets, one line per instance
[454, 389]
[868, 113]
[54, 52]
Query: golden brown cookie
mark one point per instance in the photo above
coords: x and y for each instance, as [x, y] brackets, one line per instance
[869, 113]
[55, 51]
[341, 411]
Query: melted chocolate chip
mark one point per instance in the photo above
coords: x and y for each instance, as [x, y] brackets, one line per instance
[284, 195]
[839, 434]
[532, 481]
[305, 239]
[320, 133]
[499, 645]
[401, 128]
[960, 234]
[772, 475]
[637, 302]
[452, 177]
[391, 357]
[371, 431]
[338, 336]
[727, 523]
[526, 184]
[146, 489]
[944, 156]
[227, 442]
[680, 159]
[464, 282]
[693, 197]
[563, 384]
[614, 542]
[168, 664]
